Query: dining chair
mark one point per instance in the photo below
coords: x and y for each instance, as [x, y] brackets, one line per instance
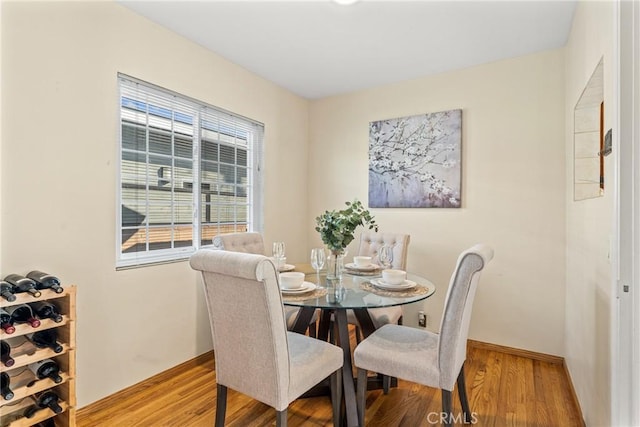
[370, 244]
[253, 243]
[424, 357]
[249, 242]
[254, 353]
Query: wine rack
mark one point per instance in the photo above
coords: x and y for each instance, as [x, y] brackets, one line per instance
[24, 353]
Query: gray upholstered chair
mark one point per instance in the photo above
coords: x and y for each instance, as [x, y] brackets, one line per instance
[370, 243]
[254, 353]
[253, 243]
[434, 360]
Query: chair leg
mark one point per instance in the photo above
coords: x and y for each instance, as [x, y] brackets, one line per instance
[336, 396]
[447, 409]
[358, 335]
[281, 418]
[312, 330]
[462, 393]
[361, 393]
[333, 333]
[386, 384]
[221, 405]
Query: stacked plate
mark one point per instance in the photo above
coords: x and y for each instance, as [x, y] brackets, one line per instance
[406, 285]
[306, 287]
[286, 267]
[371, 268]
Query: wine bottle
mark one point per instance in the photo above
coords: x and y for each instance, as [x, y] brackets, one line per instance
[5, 354]
[45, 281]
[22, 313]
[46, 338]
[5, 391]
[22, 284]
[46, 423]
[6, 322]
[46, 399]
[47, 310]
[47, 368]
[6, 291]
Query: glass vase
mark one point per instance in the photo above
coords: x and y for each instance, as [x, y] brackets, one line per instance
[335, 267]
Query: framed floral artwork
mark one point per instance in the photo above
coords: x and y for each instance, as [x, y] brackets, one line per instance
[415, 161]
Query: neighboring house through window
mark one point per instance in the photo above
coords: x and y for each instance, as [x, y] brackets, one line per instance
[188, 171]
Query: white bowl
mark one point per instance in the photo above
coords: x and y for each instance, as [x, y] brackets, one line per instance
[394, 277]
[362, 261]
[291, 280]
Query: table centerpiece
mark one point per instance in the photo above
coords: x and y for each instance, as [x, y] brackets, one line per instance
[337, 229]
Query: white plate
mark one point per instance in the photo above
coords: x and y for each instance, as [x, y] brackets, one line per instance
[407, 284]
[370, 267]
[306, 287]
[287, 267]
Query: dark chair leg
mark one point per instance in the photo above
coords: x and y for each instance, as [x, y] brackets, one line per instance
[361, 395]
[333, 333]
[447, 409]
[281, 418]
[312, 330]
[462, 393]
[386, 384]
[336, 396]
[221, 405]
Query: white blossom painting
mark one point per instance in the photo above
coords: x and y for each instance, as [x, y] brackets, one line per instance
[414, 162]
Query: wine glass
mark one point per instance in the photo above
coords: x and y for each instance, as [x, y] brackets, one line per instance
[318, 257]
[385, 256]
[278, 254]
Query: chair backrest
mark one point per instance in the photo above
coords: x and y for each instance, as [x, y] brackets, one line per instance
[249, 242]
[250, 344]
[456, 317]
[371, 242]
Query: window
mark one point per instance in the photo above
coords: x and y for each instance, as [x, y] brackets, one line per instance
[188, 171]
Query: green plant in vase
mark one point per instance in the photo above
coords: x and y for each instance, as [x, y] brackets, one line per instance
[337, 230]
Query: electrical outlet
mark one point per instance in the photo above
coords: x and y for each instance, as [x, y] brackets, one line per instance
[422, 319]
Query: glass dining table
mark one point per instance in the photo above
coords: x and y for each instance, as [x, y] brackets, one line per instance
[358, 291]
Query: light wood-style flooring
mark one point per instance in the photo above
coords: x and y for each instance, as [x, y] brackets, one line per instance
[505, 389]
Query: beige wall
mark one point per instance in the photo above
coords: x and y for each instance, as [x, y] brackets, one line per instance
[58, 184]
[589, 225]
[513, 189]
[58, 174]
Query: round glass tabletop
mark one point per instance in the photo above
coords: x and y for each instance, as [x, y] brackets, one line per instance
[359, 292]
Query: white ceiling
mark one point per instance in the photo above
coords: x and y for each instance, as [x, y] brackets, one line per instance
[319, 48]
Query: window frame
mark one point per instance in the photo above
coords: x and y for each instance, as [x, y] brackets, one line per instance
[203, 113]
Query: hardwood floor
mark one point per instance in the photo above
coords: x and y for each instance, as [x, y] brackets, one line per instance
[504, 390]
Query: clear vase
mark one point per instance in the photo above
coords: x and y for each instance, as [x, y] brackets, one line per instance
[335, 267]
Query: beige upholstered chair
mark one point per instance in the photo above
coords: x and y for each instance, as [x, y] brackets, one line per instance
[254, 353]
[370, 243]
[248, 242]
[253, 243]
[434, 360]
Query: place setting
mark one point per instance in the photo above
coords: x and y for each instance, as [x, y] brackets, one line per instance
[362, 266]
[394, 283]
[292, 284]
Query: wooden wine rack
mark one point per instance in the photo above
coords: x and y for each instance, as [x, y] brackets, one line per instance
[11, 410]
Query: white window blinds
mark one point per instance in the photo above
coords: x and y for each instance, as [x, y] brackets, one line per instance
[188, 171]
